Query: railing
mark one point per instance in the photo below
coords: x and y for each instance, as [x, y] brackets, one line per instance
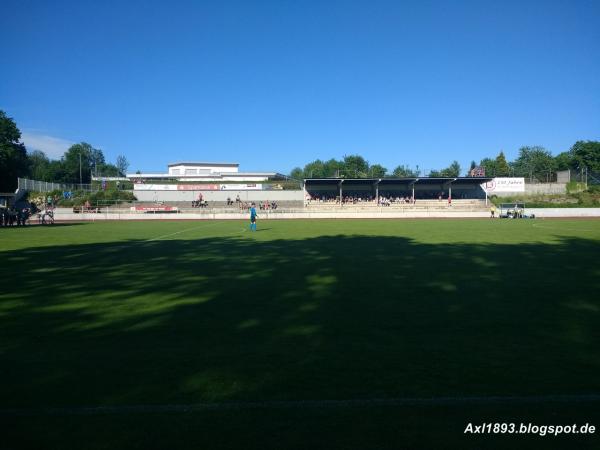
[48, 186]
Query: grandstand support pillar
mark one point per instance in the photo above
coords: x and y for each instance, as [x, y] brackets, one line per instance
[377, 191]
[450, 187]
[486, 198]
[341, 181]
[304, 192]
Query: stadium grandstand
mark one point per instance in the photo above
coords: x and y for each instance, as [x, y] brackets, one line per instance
[203, 187]
[395, 191]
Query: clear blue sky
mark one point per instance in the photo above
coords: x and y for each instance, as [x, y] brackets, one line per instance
[275, 84]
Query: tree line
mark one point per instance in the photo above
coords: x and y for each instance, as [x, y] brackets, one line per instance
[537, 163]
[355, 166]
[78, 164]
[532, 162]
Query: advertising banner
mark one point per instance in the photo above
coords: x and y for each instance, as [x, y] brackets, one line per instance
[514, 184]
[197, 187]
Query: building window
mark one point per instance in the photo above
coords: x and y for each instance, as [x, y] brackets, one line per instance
[174, 171]
[190, 171]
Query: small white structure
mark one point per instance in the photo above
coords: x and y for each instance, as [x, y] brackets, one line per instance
[202, 168]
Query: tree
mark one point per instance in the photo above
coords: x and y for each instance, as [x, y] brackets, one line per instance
[297, 173]
[434, 173]
[79, 161]
[56, 171]
[315, 169]
[534, 162]
[403, 171]
[13, 154]
[502, 167]
[39, 166]
[377, 171]
[352, 166]
[110, 170]
[332, 168]
[355, 166]
[96, 157]
[122, 165]
[451, 171]
[565, 161]
[490, 166]
[586, 154]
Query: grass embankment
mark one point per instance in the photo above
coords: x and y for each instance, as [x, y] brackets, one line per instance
[576, 198]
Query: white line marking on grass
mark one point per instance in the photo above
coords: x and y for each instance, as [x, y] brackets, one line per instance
[204, 226]
[300, 404]
[158, 238]
[537, 225]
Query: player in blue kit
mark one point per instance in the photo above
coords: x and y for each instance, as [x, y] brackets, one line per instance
[253, 217]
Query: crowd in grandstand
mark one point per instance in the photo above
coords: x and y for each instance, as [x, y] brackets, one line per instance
[266, 205]
[353, 199]
[385, 198]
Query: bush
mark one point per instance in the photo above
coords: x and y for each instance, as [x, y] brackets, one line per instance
[110, 196]
[575, 187]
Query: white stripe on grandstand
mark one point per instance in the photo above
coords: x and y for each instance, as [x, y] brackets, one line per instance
[301, 404]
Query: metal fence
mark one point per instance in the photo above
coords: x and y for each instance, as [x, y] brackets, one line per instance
[47, 186]
[586, 176]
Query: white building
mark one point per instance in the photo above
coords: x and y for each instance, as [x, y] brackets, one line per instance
[202, 168]
[204, 171]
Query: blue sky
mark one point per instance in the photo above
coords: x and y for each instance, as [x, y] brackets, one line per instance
[275, 84]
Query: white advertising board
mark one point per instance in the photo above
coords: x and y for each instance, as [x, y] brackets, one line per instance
[504, 184]
[241, 187]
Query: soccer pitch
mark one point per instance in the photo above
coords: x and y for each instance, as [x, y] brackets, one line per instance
[323, 333]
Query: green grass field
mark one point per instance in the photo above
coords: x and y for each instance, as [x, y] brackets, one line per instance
[247, 326]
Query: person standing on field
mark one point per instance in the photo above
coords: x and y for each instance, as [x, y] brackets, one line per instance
[253, 217]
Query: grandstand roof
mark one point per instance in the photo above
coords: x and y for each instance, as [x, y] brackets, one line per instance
[407, 180]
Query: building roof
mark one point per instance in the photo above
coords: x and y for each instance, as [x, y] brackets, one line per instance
[201, 163]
